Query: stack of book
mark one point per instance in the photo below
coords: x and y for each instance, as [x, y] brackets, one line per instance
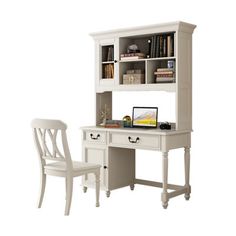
[108, 71]
[113, 124]
[132, 56]
[164, 75]
[161, 45]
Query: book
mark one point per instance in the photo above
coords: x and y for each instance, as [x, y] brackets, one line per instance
[158, 46]
[149, 41]
[161, 46]
[164, 46]
[172, 45]
[112, 126]
[161, 79]
[140, 54]
[131, 58]
[110, 54]
[169, 46]
[164, 73]
[108, 71]
[165, 69]
[152, 47]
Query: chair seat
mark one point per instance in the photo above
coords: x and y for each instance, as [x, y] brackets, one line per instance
[77, 166]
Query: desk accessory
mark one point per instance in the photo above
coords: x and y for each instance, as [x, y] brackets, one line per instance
[165, 125]
[127, 122]
[145, 117]
[113, 124]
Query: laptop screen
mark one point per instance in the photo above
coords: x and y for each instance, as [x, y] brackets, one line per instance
[144, 117]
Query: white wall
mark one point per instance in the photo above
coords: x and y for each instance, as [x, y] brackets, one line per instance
[47, 70]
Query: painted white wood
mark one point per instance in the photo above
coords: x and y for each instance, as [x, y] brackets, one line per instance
[42, 187]
[69, 190]
[167, 87]
[131, 140]
[177, 192]
[164, 196]
[111, 176]
[142, 30]
[184, 80]
[95, 137]
[175, 141]
[187, 171]
[103, 100]
[60, 160]
[157, 184]
[97, 155]
[136, 131]
[121, 167]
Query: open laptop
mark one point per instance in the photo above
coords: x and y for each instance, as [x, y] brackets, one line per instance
[144, 117]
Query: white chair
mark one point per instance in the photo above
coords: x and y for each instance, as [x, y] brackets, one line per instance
[57, 163]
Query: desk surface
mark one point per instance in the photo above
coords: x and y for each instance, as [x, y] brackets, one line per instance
[155, 131]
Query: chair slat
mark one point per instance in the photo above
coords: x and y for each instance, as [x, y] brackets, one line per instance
[53, 158]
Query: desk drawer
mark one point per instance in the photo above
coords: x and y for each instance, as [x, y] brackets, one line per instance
[135, 140]
[95, 136]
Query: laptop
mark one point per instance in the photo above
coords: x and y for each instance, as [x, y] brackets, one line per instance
[144, 117]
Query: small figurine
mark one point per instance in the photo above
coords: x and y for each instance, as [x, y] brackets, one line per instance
[127, 121]
[104, 114]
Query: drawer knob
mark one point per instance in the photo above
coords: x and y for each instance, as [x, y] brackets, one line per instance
[95, 138]
[133, 141]
[105, 167]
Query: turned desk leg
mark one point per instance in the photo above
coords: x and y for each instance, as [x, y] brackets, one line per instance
[187, 170]
[108, 193]
[164, 195]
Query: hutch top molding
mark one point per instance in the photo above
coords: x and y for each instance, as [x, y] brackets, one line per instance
[163, 27]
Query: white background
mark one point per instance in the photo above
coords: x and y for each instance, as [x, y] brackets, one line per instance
[47, 70]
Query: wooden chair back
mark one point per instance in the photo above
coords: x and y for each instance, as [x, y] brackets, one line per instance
[47, 136]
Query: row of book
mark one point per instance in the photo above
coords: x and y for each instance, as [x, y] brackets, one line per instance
[161, 45]
[108, 71]
[165, 75]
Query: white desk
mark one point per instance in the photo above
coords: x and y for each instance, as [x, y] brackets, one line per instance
[114, 149]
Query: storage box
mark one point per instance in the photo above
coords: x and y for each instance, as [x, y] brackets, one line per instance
[137, 71]
[133, 79]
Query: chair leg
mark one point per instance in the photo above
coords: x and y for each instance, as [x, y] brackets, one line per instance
[65, 186]
[42, 189]
[97, 175]
[69, 190]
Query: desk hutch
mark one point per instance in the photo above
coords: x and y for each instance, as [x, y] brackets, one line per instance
[114, 148]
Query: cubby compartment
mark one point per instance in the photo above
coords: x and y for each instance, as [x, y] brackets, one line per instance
[108, 53]
[107, 70]
[161, 71]
[140, 41]
[132, 72]
[148, 46]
